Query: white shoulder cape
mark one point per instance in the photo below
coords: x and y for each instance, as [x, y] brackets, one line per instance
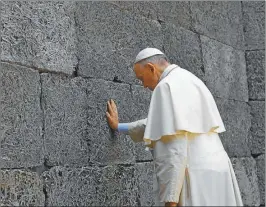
[181, 101]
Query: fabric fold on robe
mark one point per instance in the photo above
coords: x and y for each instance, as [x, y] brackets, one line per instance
[191, 169]
[181, 102]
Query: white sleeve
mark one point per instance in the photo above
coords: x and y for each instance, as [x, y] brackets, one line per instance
[136, 130]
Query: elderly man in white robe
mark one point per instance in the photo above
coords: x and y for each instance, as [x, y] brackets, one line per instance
[191, 167]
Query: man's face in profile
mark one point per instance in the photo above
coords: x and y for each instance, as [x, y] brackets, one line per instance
[148, 74]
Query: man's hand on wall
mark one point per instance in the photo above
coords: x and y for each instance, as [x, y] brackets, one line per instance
[112, 115]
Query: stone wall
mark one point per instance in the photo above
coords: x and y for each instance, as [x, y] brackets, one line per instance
[62, 61]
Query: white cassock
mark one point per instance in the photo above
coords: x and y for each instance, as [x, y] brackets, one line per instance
[190, 164]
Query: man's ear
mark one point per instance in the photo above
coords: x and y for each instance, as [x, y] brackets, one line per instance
[151, 67]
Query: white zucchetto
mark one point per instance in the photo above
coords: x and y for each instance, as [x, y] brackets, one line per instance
[146, 53]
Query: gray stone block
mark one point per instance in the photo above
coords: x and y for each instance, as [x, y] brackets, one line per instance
[257, 130]
[145, 173]
[65, 105]
[236, 118]
[219, 20]
[225, 70]
[76, 130]
[20, 117]
[148, 9]
[255, 61]
[91, 186]
[177, 13]
[21, 188]
[39, 34]
[261, 177]
[246, 174]
[72, 186]
[182, 47]
[119, 186]
[108, 45]
[107, 147]
[141, 102]
[254, 24]
[141, 153]
[256, 6]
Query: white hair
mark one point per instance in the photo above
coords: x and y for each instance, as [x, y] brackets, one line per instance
[156, 59]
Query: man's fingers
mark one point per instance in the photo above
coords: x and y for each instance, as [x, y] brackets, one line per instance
[108, 115]
[113, 105]
[109, 108]
[112, 102]
[108, 105]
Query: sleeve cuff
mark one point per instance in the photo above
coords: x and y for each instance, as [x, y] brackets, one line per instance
[123, 127]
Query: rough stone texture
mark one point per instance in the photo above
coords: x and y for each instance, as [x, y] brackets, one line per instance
[219, 20]
[255, 61]
[257, 130]
[148, 9]
[141, 101]
[119, 186]
[21, 188]
[145, 173]
[39, 34]
[65, 107]
[254, 24]
[246, 174]
[91, 186]
[109, 44]
[106, 147]
[177, 13]
[225, 70]
[182, 47]
[236, 118]
[261, 177]
[98, 41]
[20, 117]
[141, 153]
[77, 134]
